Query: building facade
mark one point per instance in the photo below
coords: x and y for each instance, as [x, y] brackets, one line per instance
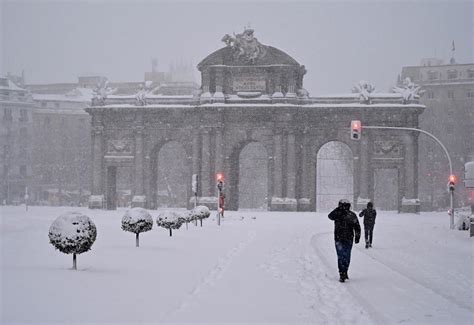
[16, 134]
[449, 115]
[253, 93]
[61, 148]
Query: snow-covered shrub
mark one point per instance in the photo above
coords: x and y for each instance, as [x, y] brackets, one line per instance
[169, 220]
[72, 232]
[200, 212]
[187, 217]
[137, 220]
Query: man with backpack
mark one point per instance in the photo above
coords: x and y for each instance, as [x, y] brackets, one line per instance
[369, 215]
[346, 230]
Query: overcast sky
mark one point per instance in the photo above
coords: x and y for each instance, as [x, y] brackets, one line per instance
[338, 42]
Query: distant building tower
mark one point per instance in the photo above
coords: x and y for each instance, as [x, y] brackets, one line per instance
[449, 115]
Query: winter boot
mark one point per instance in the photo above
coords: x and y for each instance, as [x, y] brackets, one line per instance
[370, 245]
[342, 278]
[366, 245]
[346, 275]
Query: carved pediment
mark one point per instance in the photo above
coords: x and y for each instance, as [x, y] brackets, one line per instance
[388, 148]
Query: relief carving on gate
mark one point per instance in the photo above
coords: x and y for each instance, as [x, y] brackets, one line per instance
[388, 149]
[120, 147]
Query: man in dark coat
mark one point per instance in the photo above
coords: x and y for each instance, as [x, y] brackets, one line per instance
[346, 227]
[369, 215]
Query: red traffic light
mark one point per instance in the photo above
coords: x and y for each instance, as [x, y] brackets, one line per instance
[356, 128]
[452, 179]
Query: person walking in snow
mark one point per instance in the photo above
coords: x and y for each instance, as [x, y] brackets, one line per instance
[346, 231]
[369, 215]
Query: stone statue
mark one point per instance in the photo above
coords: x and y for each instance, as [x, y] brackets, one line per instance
[409, 91]
[140, 96]
[100, 93]
[245, 46]
[364, 89]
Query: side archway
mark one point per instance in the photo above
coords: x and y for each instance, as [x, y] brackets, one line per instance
[334, 175]
[170, 172]
[249, 177]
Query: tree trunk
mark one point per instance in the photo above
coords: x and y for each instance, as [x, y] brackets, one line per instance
[74, 264]
[186, 225]
[201, 221]
[171, 234]
[137, 239]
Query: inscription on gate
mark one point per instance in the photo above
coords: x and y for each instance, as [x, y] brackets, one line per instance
[249, 83]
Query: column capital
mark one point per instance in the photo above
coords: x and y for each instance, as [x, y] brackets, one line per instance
[97, 129]
[138, 129]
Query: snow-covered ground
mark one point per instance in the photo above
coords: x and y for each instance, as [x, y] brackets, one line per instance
[256, 267]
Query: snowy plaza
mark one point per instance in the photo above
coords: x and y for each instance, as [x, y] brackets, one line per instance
[256, 267]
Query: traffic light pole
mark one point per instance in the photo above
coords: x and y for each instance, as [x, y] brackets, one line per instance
[451, 191]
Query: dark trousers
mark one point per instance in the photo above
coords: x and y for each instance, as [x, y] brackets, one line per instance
[343, 249]
[369, 233]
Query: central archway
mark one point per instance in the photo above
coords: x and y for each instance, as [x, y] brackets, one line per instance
[252, 178]
[334, 175]
[171, 175]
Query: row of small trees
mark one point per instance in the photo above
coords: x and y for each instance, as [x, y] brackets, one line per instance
[74, 232]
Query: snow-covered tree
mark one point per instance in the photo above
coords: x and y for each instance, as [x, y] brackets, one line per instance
[169, 220]
[137, 220]
[200, 212]
[72, 232]
[187, 217]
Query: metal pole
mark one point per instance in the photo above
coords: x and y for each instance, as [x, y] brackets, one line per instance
[218, 205]
[451, 197]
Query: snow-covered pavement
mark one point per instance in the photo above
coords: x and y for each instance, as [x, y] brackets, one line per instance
[257, 267]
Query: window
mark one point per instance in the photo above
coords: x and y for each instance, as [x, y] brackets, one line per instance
[7, 114]
[47, 121]
[432, 75]
[470, 94]
[23, 170]
[452, 74]
[23, 133]
[470, 73]
[451, 94]
[56, 105]
[430, 94]
[23, 115]
[44, 104]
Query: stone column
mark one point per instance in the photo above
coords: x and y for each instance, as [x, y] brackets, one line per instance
[364, 172]
[410, 175]
[291, 167]
[277, 166]
[97, 159]
[206, 80]
[196, 150]
[219, 94]
[291, 203]
[305, 181]
[139, 159]
[206, 163]
[219, 151]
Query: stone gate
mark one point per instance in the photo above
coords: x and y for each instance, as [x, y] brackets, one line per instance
[251, 92]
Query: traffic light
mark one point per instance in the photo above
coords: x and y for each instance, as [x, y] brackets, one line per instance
[356, 130]
[220, 177]
[452, 182]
